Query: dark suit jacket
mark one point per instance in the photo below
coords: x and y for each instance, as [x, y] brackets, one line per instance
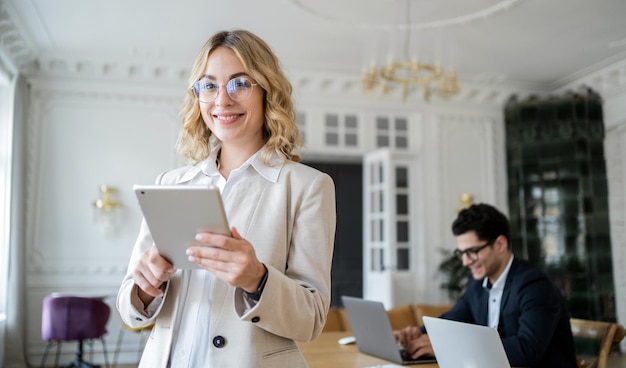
[534, 320]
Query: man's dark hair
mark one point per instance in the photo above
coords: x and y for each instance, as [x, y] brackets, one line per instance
[485, 220]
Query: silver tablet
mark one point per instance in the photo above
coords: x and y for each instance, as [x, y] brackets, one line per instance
[176, 213]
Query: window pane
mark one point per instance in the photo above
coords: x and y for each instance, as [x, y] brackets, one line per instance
[402, 204]
[382, 141]
[402, 177]
[382, 123]
[402, 231]
[401, 124]
[351, 140]
[374, 202]
[351, 121]
[301, 122]
[300, 119]
[332, 120]
[402, 142]
[332, 139]
[377, 259]
[402, 257]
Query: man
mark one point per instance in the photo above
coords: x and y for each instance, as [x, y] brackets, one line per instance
[505, 293]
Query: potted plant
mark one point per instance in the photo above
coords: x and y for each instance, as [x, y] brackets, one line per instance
[455, 275]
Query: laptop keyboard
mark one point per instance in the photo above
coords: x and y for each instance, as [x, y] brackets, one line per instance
[422, 359]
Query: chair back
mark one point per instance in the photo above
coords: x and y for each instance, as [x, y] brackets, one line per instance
[402, 316]
[430, 310]
[607, 334]
[334, 321]
[68, 317]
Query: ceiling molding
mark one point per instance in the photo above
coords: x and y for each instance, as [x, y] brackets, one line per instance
[331, 15]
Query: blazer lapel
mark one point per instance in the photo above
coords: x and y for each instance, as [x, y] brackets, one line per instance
[483, 316]
[506, 293]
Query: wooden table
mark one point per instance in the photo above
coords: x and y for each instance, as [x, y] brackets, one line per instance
[325, 352]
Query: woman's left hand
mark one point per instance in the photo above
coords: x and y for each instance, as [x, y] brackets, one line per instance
[231, 259]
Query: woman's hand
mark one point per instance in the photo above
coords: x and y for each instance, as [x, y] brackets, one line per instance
[151, 272]
[231, 259]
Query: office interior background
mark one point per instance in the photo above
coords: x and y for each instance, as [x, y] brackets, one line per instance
[535, 124]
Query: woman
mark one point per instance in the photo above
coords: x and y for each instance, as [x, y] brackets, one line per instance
[268, 285]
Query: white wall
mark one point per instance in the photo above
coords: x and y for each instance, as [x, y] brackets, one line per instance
[81, 135]
[87, 130]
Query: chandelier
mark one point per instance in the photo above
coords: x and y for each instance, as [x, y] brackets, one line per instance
[411, 74]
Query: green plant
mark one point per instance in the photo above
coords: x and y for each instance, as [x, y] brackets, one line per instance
[455, 275]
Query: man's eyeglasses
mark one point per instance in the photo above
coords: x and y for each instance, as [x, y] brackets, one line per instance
[238, 89]
[472, 252]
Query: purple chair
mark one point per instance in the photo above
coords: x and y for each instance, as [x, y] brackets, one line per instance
[73, 318]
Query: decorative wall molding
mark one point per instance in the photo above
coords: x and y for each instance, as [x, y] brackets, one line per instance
[43, 105]
[475, 90]
[106, 70]
[11, 41]
[607, 79]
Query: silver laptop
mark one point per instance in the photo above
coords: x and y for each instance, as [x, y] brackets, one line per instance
[372, 330]
[465, 345]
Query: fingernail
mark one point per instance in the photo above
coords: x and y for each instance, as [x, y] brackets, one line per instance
[189, 252]
[198, 237]
[191, 259]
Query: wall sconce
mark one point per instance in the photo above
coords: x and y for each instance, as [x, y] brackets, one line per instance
[466, 201]
[106, 209]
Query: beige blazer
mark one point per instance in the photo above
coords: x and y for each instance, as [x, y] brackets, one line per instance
[290, 221]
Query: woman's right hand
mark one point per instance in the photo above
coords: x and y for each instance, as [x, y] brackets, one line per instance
[151, 272]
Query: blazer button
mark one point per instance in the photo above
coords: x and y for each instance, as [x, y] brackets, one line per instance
[219, 341]
[138, 319]
[256, 319]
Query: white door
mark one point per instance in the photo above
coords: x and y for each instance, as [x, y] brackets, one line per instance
[389, 227]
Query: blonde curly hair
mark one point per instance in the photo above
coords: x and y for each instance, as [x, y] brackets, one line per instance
[280, 131]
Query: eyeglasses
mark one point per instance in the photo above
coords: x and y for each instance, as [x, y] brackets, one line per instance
[238, 89]
[472, 252]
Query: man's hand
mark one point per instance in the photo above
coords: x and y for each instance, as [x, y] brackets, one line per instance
[419, 347]
[415, 343]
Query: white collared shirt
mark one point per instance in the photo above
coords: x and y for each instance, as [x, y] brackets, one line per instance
[495, 295]
[190, 347]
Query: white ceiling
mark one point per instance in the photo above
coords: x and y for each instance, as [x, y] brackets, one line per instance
[540, 42]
